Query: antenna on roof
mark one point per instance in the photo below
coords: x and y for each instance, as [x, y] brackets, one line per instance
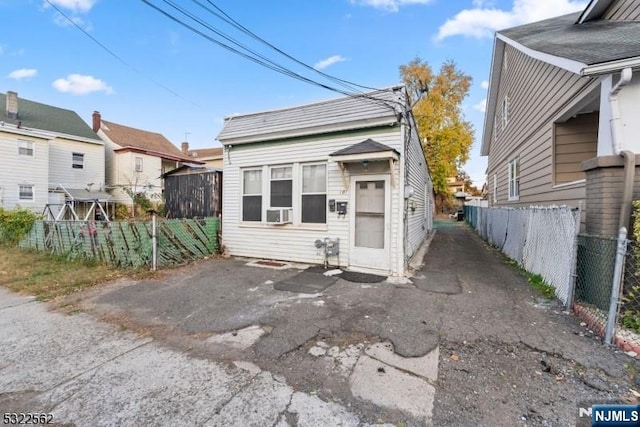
[186, 136]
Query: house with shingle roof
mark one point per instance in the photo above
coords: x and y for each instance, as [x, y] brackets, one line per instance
[50, 157]
[212, 157]
[136, 159]
[562, 125]
[343, 180]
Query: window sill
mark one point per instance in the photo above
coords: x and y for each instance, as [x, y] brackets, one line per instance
[570, 184]
[513, 199]
[288, 226]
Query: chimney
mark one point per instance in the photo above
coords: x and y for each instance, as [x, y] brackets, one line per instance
[12, 105]
[97, 119]
[185, 148]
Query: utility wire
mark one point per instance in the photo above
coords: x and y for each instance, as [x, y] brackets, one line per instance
[228, 19]
[250, 54]
[115, 55]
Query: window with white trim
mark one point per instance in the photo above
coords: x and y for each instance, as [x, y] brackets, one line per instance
[514, 179]
[314, 194]
[252, 195]
[138, 164]
[25, 148]
[77, 160]
[281, 187]
[25, 193]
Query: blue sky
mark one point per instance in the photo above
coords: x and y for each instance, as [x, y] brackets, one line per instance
[164, 78]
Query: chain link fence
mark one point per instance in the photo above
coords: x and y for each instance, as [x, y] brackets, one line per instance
[540, 240]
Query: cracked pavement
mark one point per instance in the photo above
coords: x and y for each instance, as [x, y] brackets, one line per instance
[214, 343]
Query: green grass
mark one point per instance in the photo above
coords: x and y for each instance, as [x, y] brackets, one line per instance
[48, 276]
[535, 280]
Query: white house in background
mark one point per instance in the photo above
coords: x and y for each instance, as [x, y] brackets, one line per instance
[136, 160]
[350, 169]
[49, 156]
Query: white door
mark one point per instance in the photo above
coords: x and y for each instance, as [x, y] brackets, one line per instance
[370, 223]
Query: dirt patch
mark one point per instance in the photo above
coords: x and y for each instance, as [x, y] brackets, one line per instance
[482, 382]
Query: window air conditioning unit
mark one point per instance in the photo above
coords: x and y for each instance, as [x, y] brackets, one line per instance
[279, 215]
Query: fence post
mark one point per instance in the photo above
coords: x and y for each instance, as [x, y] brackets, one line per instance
[574, 260]
[154, 241]
[621, 253]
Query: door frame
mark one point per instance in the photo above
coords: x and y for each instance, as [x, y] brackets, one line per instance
[374, 254]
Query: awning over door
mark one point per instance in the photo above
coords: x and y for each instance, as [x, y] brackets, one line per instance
[366, 150]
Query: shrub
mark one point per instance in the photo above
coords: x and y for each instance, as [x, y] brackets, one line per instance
[15, 224]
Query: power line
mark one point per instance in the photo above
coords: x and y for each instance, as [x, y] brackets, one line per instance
[116, 56]
[250, 54]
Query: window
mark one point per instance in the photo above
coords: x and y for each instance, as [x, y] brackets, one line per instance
[514, 179]
[314, 194]
[77, 160]
[252, 195]
[495, 188]
[138, 165]
[505, 111]
[25, 148]
[25, 193]
[281, 187]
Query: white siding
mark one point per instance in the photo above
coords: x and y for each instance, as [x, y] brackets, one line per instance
[61, 171]
[419, 206]
[19, 170]
[293, 242]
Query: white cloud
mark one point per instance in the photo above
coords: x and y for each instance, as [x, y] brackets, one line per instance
[483, 21]
[325, 63]
[76, 6]
[78, 84]
[67, 21]
[23, 73]
[481, 106]
[389, 5]
[484, 84]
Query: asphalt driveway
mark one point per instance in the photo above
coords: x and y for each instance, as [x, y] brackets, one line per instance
[503, 356]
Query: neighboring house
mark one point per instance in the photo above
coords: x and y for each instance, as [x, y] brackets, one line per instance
[351, 169]
[50, 157]
[136, 160]
[193, 191]
[563, 105]
[212, 157]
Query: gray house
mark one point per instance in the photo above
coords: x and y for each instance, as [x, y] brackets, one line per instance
[349, 170]
[562, 113]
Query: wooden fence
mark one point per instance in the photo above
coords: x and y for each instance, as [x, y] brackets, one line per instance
[126, 244]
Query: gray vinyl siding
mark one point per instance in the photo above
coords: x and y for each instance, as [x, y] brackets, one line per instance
[19, 170]
[294, 242]
[538, 92]
[624, 10]
[419, 221]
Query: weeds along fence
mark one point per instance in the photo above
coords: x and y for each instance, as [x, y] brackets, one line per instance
[126, 244]
[541, 240]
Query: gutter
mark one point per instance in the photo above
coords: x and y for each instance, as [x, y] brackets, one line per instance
[629, 157]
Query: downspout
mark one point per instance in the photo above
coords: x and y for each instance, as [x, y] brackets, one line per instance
[629, 157]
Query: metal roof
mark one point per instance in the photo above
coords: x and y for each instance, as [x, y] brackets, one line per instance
[368, 110]
[589, 43]
[37, 116]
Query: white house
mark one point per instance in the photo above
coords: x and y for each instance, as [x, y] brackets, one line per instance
[50, 156]
[350, 169]
[136, 160]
